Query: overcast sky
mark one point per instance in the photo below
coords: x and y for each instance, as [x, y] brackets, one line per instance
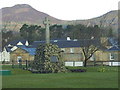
[68, 9]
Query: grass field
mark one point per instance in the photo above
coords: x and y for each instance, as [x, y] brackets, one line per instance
[90, 79]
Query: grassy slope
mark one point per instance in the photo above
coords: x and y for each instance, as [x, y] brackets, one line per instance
[90, 79]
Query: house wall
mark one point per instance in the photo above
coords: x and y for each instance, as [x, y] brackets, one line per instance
[20, 53]
[72, 57]
[116, 54]
[72, 54]
[4, 56]
[77, 55]
[101, 56]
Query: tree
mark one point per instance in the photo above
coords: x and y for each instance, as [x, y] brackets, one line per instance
[31, 32]
[24, 31]
[56, 31]
[88, 52]
[92, 43]
[110, 33]
[8, 34]
[6, 37]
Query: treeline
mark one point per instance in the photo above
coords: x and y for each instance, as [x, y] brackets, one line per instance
[9, 36]
[35, 32]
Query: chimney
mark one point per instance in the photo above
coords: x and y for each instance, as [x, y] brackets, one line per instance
[68, 38]
[26, 43]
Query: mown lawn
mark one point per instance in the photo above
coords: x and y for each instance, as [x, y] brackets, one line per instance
[90, 79]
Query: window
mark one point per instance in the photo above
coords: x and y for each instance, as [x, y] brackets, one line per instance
[112, 56]
[19, 59]
[71, 50]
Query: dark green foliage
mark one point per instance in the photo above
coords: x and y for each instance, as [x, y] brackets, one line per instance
[3, 62]
[75, 31]
[62, 31]
[42, 60]
[56, 31]
[32, 32]
[110, 34]
[9, 36]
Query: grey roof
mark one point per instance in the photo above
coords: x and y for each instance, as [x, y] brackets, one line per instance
[69, 43]
[8, 49]
[114, 48]
[16, 41]
[30, 50]
[112, 41]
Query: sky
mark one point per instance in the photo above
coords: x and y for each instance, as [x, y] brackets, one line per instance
[68, 9]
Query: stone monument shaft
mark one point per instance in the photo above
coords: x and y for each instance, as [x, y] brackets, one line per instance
[47, 24]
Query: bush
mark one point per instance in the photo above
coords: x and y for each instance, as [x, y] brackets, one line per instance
[3, 62]
[101, 69]
[78, 70]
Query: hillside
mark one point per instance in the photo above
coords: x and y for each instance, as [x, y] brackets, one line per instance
[14, 17]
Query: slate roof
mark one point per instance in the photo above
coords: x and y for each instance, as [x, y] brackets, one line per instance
[114, 48]
[68, 43]
[8, 49]
[17, 41]
[113, 41]
[30, 50]
[62, 43]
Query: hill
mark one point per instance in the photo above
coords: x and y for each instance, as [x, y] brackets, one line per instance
[14, 17]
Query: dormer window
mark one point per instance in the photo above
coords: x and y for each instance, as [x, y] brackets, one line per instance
[19, 43]
[9, 45]
[55, 40]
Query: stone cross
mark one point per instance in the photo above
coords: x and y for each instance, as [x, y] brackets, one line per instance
[47, 24]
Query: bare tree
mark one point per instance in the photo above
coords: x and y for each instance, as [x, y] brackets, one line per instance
[92, 47]
[88, 52]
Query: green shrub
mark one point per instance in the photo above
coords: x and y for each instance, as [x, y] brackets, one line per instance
[102, 69]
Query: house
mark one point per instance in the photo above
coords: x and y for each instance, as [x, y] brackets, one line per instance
[73, 55]
[22, 53]
[114, 54]
[71, 50]
[5, 54]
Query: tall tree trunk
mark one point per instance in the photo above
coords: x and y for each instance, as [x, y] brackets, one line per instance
[85, 63]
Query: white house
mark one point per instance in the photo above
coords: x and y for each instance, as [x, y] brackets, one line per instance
[5, 55]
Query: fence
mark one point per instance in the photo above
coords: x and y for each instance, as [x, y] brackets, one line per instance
[20, 64]
[70, 63]
[73, 63]
[93, 63]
